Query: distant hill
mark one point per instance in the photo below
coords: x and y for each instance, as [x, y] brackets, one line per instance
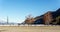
[54, 15]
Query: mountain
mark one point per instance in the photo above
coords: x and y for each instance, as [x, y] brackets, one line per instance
[1, 21]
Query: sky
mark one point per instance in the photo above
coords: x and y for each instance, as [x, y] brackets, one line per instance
[17, 10]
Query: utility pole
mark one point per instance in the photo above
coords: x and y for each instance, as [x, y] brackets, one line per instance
[7, 19]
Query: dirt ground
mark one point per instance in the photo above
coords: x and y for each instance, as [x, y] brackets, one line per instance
[29, 28]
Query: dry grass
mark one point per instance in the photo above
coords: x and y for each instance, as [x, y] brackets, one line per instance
[29, 28]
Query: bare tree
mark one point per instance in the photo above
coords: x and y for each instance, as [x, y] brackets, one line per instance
[29, 19]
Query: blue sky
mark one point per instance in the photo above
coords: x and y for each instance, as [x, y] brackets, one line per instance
[16, 10]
